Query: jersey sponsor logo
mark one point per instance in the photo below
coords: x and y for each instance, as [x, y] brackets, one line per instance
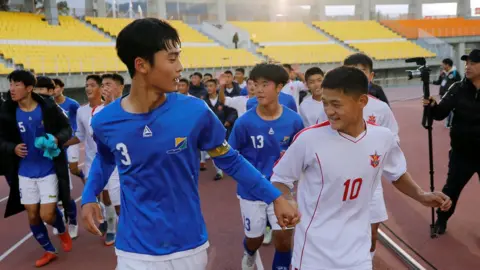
[374, 160]
[372, 119]
[147, 132]
[285, 140]
[180, 145]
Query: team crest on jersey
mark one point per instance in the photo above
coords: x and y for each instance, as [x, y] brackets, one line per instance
[374, 160]
[180, 145]
[372, 119]
[285, 140]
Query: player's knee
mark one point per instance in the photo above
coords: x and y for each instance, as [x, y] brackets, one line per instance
[74, 168]
[254, 243]
[283, 240]
[106, 198]
[48, 216]
[34, 217]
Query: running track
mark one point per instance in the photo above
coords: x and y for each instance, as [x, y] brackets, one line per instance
[458, 249]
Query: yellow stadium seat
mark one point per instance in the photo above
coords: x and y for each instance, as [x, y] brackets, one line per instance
[113, 26]
[305, 54]
[76, 59]
[5, 70]
[356, 30]
[392, 50]
[261, 32]
[28, 26]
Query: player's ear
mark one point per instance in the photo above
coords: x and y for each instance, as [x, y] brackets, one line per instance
[363, 100]
[371, 76]
[141, 65]
[279, 88]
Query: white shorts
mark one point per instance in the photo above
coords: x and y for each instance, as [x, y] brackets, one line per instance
[196, 261]
[254, 215]
[113, 188]
[38, 190]
[378, 210]
[73, 153]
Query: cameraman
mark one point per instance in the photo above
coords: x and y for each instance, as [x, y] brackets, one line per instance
[448, 76]
[463, 98]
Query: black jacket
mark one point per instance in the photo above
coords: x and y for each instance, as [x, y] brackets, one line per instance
[57, 124]
[224, 113]
[464, 100]
[377, 91]
[445, 80]
[198, 91]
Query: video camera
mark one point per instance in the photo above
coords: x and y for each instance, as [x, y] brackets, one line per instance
[423, 71]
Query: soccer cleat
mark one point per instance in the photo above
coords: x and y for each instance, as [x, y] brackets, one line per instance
[66, 241]
[440, 227]
[73, 230]
[267, 237]
[203, 166]
[248, 262]
[109, 239]
[218, 176]
[45, 259]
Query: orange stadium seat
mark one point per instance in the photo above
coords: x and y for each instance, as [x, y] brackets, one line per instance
[448, 27]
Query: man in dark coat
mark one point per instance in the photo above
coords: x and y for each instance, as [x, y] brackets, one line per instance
[36, 182]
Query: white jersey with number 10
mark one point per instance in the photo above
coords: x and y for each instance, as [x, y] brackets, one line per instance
[337, 176]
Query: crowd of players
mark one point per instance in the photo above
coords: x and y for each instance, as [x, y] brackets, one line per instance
[153, 143]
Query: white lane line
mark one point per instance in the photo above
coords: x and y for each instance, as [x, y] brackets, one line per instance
[258, 261]
[6, 198]
[23, 240]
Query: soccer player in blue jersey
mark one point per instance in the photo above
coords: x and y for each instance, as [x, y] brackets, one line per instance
[37, 182]
[261, 135]
[70, 107]
[284, 99]
[153, 136]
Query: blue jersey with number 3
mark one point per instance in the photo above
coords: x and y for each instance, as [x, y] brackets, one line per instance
[30, 125]
[261, 141]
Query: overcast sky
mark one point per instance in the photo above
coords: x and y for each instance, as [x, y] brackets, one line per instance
[428, 9]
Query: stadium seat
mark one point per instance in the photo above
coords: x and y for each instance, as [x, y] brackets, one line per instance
[356, 30]
[261, 32]
[75, 59]
[5, 70]
[446, 27]
[27, 26]
[113, 26]
[392, 50]
[305, 54]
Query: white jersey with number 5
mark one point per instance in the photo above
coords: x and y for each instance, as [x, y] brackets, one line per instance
[337, 175]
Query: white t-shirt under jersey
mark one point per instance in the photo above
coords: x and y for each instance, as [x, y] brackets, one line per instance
[337, 175]
[83, 133]
[293, 88]
[239, 103]
[310, 109]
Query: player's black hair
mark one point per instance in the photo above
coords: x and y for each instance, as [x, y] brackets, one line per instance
[349, 80]
[24, 76]
[288, 66]
[114, 76]
[185, 80]
[95, 77]
[448, 61]
[241, 70]
[45, 82]
[58, 82]
[196, 74]
[269, 72]
[313, 71]
[143, 38]
[212, 81]
[228, 72]
[207, 74]
[359, 59]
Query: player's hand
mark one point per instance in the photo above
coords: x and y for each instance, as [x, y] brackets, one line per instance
[91, 212]
[430, 101]
[436, 199]
[21, 150]
[222, 80]
[286, 212]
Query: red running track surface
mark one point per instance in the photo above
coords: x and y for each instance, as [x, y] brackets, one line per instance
[458, 249]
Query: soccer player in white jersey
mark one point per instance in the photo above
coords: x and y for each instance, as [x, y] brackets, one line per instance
[338, 165]
[312, 106]
[239, 103]
[152, 135]
[294, 87]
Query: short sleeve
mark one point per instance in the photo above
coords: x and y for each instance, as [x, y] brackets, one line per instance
[395, 163]
[212, 133]
[390, 122]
